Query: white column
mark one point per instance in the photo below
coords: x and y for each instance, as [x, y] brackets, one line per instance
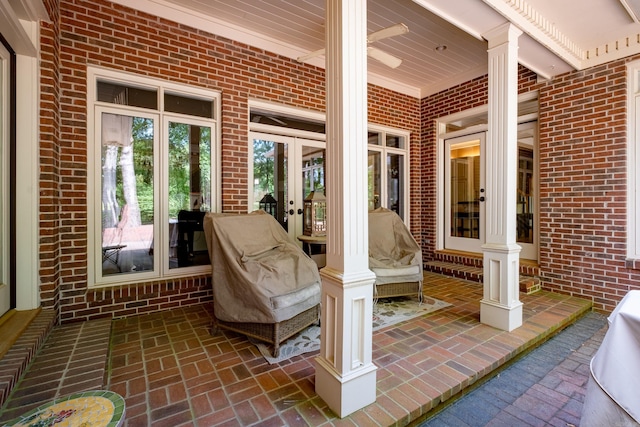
[345, 373]
[500, 306]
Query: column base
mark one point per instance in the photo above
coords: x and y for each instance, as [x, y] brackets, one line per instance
[499, 316]
[345, 394]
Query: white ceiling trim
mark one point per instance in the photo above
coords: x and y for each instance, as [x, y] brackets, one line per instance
[191, 18]
[450, 18]
[539, 28]
[617, 49]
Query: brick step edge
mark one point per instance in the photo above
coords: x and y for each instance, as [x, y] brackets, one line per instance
[528, 284]
[15, 361]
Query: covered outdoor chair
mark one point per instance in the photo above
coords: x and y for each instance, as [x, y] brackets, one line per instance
[394, 256]
[264, 285]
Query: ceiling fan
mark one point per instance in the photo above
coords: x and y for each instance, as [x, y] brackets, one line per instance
[382, 56]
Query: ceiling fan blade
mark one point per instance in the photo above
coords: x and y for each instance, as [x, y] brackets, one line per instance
[384, 57]
[310, 55]
[394, 30]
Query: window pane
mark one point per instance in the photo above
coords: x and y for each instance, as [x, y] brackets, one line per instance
[312, 170]
[395, 141]
[124, 95]
[524, 200]
[374, 138]
[465, 189]
[189, 106]
[189, 193]
[374, 180]
[395, 183]
[127, 194]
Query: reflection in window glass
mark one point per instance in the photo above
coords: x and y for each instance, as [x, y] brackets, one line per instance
[395, 141]
[312, 170]
[395, 183]
[270, 171]
[374, 179]
[189, 193]
[189, 106]
[374, 138]
[127, 95]
[127, 194]
[524, 199]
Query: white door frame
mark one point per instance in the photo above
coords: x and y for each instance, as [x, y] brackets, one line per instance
[5, 180]
[445, 241]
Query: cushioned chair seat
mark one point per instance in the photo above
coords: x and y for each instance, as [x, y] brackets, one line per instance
[394, 256]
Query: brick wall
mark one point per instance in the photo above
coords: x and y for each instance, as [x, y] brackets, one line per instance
[100, 33]
[583, 185]
[50, 220]
[582, 178]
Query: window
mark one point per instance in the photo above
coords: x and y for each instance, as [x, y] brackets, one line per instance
[387, 169]
[155, 166]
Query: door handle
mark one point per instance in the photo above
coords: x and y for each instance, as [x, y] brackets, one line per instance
[481, 198]
[291, 211]
[299, 211]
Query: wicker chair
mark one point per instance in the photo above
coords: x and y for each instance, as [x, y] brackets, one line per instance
[394, 256]
[264, 285]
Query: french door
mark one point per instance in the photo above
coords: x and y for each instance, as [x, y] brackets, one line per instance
[464, 208]
[288, 169]
[464, 186]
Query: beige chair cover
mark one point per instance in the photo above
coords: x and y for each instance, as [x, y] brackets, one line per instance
[394, 255]
[259, 274]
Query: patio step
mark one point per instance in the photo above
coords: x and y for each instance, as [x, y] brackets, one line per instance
[528, 284]
[24, 347]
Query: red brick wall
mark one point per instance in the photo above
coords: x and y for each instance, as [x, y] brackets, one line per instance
[100, 33]
[582, 178]
[50, 226]
[583, 185]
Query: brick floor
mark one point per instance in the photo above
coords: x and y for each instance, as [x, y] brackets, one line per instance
[545, 387]
[172, 372]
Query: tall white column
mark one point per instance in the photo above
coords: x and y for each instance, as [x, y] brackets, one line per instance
[345, 373]
[500, 306]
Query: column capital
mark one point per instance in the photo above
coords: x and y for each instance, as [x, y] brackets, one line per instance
[502, 34]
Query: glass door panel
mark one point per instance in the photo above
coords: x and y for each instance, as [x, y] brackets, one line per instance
[270, 175]
[464, 184]
[526, 197]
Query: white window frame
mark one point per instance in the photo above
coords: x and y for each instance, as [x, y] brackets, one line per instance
[384, 151]
[160, 234]
[633, 159]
